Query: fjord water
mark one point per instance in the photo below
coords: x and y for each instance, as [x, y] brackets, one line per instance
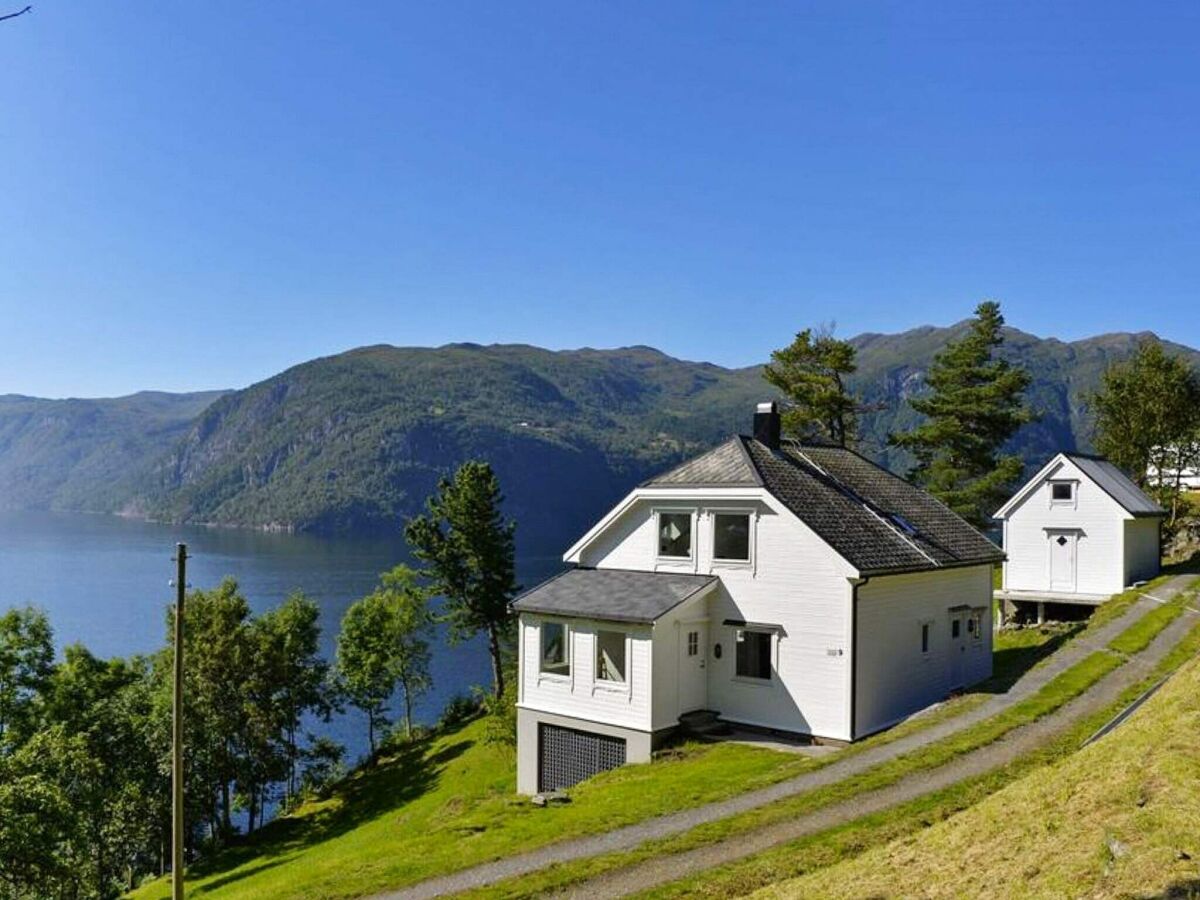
[105, 582]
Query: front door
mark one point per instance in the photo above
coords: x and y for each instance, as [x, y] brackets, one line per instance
[1062, 561]
[693, 662]
[958, 649]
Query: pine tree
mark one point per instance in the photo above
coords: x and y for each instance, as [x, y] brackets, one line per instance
[812, 373]
[468, 550]
[975, 406]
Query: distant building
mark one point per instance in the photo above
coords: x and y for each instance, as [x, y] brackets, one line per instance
[772, 584]
[1078, 531]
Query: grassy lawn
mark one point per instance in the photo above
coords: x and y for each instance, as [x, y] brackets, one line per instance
[448, 802]
[1116, 819]
[1060, 690]
[849, 841]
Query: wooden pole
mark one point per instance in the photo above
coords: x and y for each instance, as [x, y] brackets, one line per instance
[177, 729]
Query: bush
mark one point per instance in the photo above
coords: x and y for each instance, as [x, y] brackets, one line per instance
[459, 709]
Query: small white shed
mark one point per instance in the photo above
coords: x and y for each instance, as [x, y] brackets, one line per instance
[1079, 529]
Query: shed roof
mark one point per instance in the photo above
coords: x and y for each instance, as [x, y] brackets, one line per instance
[616, 595]
[1117, 485]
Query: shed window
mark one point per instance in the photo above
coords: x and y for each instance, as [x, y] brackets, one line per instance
[675, 535]
[693, 643]
[610, 656]
[1062, 492]
[731, 537]
[754, 654]
[555, 658]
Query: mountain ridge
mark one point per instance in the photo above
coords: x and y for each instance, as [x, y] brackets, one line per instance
[357, 439]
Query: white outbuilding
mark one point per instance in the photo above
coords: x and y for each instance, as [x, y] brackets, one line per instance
[1079, 531]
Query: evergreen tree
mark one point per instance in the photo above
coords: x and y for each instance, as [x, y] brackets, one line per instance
[468, 550]
[1148, 420]
[812, 373]
[975, 406]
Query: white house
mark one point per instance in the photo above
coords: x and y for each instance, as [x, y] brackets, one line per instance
[788, 586]
[1078, 531]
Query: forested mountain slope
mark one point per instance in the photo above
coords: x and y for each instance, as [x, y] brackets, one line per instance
[359, 439]
[92, 455]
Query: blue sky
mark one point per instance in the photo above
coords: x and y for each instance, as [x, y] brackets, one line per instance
[198, 195]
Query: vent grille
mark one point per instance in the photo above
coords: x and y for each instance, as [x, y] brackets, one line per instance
[566, 756]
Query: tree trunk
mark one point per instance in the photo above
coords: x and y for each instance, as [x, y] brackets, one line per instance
[497, 662]
[407, 712]
[371, 731]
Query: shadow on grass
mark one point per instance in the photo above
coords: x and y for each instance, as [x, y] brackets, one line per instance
[1190, 566]
[1181, 890]
[1010, 663]
[367, 794]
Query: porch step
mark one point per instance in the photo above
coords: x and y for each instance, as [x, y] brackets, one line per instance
[703, 723]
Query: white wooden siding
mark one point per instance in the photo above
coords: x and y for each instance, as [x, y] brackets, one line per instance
[1142, 550]
[1100, 552]
[581, 695]
[895, 679]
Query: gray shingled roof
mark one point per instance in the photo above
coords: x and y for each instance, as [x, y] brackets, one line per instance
[726, 465]
[1117, 485]
[616, 595]
[876, 521]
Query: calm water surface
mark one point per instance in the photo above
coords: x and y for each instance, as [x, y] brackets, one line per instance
[104, 582]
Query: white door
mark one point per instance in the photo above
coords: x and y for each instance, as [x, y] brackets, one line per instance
[1062, 561]
[693, 662]
[957, 663]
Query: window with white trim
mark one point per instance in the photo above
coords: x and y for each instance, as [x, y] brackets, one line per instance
[926, 631]
[555, 657]
[1062, 493]
[610, 656]
[675, 535]
[975, 624]
[693, 643]
[731, 537]
[753, 655]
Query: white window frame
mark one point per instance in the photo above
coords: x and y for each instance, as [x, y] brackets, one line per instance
[751, 515]
[603, 684]
[773, 652]
[690, 512]
[568, 641]
[1073, 501]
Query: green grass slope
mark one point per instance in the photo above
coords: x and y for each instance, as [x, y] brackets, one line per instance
[448, 803]
[1116, 819]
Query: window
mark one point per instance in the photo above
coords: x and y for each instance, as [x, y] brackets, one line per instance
[754, 654]
[610, 656]
[731, 537]
[955, 628]
[555, 658]
[693, 643]
[975, 624]
[924, 637]
[1062, 492]
[675, 535]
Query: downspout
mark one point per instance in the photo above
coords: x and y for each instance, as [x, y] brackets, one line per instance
[855, 584]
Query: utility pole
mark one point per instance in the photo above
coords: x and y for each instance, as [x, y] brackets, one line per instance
[177, 729]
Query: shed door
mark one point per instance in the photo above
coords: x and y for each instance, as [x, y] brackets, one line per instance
[1062, 561]
[957, 661]
[567, 756]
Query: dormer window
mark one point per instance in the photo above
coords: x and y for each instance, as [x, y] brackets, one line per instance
[675, 535]
[1062, 493]
[731, 537]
